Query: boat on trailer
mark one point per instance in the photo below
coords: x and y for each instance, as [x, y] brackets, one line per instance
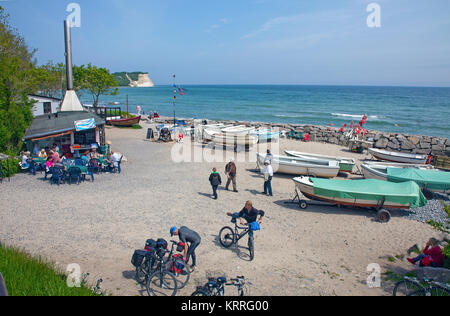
[373, 194]
[393, 156]
[345, 164]
[298, 166]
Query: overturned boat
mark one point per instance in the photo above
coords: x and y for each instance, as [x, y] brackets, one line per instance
[393, 156]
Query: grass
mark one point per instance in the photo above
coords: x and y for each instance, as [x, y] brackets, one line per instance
[135, 126]
[28, 276]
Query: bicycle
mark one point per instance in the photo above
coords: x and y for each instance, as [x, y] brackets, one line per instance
[229, 237]
[413, 287]
[216, 287]
[161, 282]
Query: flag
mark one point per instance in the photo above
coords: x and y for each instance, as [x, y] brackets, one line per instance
[181, 91]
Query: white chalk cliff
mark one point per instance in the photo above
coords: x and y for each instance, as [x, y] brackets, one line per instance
[143, 81]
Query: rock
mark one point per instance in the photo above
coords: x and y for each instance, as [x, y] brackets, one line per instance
[437, 148]
[422, 151]
[407, 145]
[424, 145]
[414, 140]
[393, 145]
[381, 143]
[333, 140]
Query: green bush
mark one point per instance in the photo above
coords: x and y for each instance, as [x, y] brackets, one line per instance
[28, 276]
[13, 167]
[446, 252]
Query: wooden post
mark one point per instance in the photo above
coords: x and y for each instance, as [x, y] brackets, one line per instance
[3, 291]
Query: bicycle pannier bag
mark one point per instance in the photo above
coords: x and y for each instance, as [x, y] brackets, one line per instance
[138, 258]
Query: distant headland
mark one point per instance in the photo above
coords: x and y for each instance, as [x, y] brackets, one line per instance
[133, 79]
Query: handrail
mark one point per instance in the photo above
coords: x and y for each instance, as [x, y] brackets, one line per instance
[3, 290]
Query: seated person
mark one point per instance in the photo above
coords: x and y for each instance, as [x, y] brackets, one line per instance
[49, 164]
[113, 160]
[55, 156]
[43, 154]
[24, 163]
[86, 156]
[94, 154]
[430, 257]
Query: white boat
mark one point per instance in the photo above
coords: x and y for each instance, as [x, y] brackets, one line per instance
[379, 171]
[239, 130]
[397, 156]
[211, 128]
[298, 166]
[230, 139]
[397, 164]
[266, 134]
[345, 164]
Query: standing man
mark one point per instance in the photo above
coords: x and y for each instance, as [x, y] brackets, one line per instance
[187, 235]
[230, 171]
[215, 181]
[268, 176]
[269, 157]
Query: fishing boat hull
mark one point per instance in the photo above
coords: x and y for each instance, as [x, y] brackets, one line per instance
[295, 166]
[357, 193]
[397, 156]
[429, 179]
[229, 139]
[345, 164]
[125, 122]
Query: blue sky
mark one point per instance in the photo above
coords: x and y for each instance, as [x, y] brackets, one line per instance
[249, 41]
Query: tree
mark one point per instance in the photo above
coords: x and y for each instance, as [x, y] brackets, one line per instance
[51, 80]
[97, 81]
[17, 71]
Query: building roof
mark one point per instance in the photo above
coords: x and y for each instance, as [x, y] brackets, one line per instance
[44, 97]
[59, 123]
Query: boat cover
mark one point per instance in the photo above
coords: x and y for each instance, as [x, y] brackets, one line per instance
[430, 179]
[372, 190]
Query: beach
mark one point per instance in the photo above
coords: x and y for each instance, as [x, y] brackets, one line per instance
[317, 251]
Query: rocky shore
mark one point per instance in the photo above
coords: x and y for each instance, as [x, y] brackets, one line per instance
[414, 144]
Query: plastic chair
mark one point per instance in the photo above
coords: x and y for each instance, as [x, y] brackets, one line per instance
[291, 134]
[57, 175]
[118, 164]
[299, 136]
[79, 162]
[74, 173]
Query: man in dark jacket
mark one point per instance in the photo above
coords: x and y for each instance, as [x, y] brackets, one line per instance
[249, 213]
[230, 171]
[187, 235]
[215, 181]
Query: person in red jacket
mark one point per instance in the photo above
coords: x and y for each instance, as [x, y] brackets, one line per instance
[430, 257]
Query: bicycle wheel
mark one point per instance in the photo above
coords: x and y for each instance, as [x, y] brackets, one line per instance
[180, 270]
[437, 290]
[201, 292]
[162, 284]
[227, 237]
[408, 288]
[251, 247]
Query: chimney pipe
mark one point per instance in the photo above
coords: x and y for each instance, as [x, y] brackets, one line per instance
[68, 54]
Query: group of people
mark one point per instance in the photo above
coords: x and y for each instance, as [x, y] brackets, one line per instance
[192, 239]
[231, 174]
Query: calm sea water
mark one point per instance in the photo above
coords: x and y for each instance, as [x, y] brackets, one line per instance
[412, 110]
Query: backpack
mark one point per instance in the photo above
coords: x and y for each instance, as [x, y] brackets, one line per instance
[177, 267]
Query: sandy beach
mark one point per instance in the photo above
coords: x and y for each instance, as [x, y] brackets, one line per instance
[318, 251]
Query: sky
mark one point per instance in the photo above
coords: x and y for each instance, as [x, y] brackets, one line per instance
[248, 41]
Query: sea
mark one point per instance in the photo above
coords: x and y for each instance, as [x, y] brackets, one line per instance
[410, 110]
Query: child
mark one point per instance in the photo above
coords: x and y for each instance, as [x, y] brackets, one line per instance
[430, 257]
[215, 181]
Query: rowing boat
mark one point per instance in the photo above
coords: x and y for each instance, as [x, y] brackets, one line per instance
[345, 164]
[230, 139]
[362, 193]
[126, 121]
[397, 156]
[298, 166]
[432, 180]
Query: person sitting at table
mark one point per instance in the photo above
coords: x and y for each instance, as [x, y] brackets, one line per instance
[86, 157]
[49, 164]
[55, 157]
[43, 154]
[94, 154]
[24, 163]
[113, 160]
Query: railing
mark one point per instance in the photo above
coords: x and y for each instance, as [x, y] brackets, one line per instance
[3, 291]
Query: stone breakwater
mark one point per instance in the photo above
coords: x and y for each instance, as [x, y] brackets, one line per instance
[414, 144]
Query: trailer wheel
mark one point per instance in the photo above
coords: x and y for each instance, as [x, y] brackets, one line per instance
[303, 205]
[383, 216]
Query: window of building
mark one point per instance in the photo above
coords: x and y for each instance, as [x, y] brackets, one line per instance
[47, 107]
